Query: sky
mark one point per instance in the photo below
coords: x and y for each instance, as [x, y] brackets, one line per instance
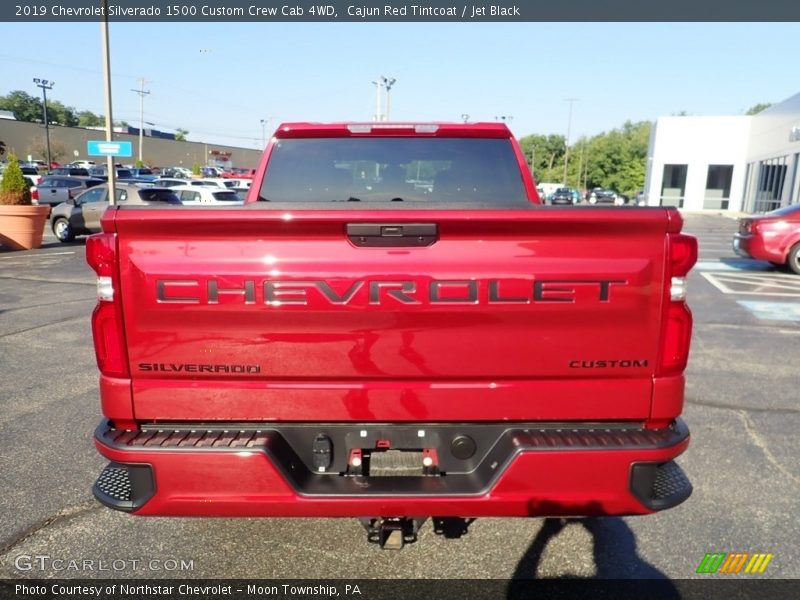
[219, 80]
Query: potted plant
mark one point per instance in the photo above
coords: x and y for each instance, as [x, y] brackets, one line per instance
[21, 222]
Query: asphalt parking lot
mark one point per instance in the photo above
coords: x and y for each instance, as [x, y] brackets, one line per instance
[742, 408]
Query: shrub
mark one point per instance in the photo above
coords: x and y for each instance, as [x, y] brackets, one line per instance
[195, 169]
[14, 190]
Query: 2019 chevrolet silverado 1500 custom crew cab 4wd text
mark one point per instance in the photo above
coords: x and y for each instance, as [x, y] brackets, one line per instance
[391, 328]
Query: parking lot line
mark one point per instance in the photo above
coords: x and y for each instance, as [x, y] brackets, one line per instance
[755, 284]
[773, 311]
[733, 264]
[37, 255]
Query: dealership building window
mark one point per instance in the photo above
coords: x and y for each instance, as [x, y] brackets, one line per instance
[748, 163]
[673, 185]
[718, 187]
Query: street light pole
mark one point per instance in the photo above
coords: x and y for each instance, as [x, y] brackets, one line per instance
[388, 83]
[569, 127]
[142, 93]
[46, 85]
[378, 85]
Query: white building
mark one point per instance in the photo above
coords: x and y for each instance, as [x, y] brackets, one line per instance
[736, 163]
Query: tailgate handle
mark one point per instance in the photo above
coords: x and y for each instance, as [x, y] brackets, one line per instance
[392, 234]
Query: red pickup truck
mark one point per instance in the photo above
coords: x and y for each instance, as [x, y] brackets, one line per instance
[392, 328]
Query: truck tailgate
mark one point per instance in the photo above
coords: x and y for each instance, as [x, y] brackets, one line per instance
[260, 315]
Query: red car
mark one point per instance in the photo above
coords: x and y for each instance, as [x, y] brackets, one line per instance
[774, 237]
[239, 173]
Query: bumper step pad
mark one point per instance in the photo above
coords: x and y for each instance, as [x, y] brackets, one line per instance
[660, 486]
[124, 487]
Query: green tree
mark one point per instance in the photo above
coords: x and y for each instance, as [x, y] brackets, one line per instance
[24, 106]
[617, 159]
[13, 187]
[87, 118]
[196, 169]
[546, 154]
[60, 114]
[757, 108]
[180, 134]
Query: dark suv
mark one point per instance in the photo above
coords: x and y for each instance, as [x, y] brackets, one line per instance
[70, 171]
[562, 196]
[102, 173]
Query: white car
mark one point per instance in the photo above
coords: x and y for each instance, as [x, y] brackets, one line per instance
[84, 164]
[219, 182]
[199, 195]
[239, 183]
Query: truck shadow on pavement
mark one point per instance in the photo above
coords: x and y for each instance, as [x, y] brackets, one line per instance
[615, 559]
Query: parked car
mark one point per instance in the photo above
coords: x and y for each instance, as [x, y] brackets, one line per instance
[102, 173]
[562, 196]
[143, 173]
[55, 189]
[31, 173]
[170, 181]
[774, 237]
[71, 171]
[200, 195]
[211, 171]
[234, 183]
[215, 182]
[177, 172]
[81, 215]
[239, 173]
[604, 196]
[85, 164]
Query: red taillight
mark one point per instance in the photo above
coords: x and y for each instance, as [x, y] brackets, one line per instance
[107, 329]
[677, 336]
[682, 254]
[34, 193]
[676, 332]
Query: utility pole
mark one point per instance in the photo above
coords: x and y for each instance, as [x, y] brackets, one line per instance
[264, 126]
[388, 83]
[112, 172]
[569, 126]
[45, 85]
[142, 93]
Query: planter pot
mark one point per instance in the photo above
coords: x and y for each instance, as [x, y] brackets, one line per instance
[22, 227]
